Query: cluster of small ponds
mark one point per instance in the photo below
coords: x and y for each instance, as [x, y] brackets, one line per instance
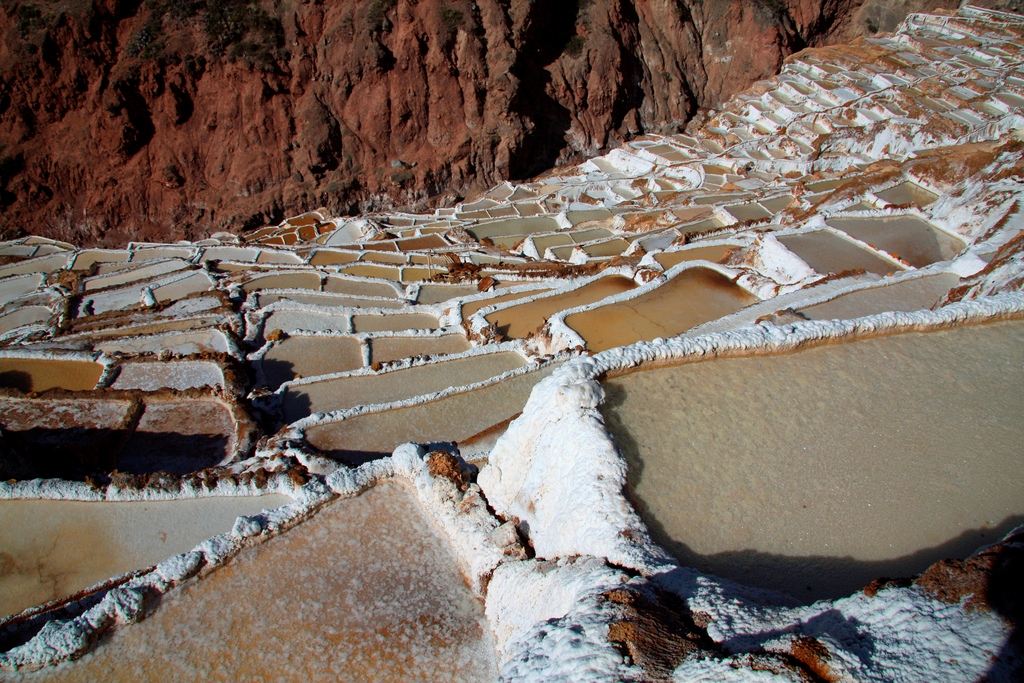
[810, 473]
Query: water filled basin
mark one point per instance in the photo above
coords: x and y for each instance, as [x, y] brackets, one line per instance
[310, 356]
[365, 591]
[902, 295]
[916, 241]
[385, 349]
[38, 374]
[692, 297]
[818, 471]
[346, 392]
[519, 321]
[394, 323]
[454, 418]
[829, 253]
[54, 548]
[715, 254]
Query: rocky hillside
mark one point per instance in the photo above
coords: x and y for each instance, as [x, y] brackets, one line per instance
[170, 119]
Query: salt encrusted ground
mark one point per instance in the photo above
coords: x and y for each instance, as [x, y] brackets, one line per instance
[888, 171]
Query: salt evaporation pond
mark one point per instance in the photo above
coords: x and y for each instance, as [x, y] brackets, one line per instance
[53, 548]
[902, 295]
[471, 307]
[37, 374]
[387, 349]
[310, 356]
[830, 253]
[818, 471]
[715, 254]
[916, 241]
[365, 591]
[519, 321]
[454, 418]
[324, 396]
[692, 297]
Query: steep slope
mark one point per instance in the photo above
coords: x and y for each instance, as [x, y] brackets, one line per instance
[171, 119]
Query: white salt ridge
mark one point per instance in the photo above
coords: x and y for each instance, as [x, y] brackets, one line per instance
[524, 594]
[557, 470]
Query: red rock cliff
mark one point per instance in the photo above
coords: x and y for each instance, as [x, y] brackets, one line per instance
[171, 119]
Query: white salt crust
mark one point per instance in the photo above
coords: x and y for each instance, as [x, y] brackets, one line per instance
[556, 471]
[481, 542]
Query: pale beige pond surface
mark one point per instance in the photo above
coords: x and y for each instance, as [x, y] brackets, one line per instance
[916, 241]
[454, 418]
[24, 316]
[435, 294]
[829, 253]
[284, 281]
[714, 254]
[692, 297]
[311, 356]
[365, 591]
[471, 307]
[906, 295]
[53, 548]
[818, 471]
[347, 392]
[394, 323]
[518, 321]
[385, 349]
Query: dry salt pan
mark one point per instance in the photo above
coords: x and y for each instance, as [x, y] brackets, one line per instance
[367, 590]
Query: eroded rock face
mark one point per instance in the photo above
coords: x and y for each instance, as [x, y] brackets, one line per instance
[173, 119]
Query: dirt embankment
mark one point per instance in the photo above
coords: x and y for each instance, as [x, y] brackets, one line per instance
[170, 119]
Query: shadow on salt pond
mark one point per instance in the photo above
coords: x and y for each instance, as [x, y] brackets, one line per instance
[833, 465]
[75, 452]
[819, 577]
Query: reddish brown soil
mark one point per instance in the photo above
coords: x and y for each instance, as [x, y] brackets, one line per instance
[442, 464]
[168, 119]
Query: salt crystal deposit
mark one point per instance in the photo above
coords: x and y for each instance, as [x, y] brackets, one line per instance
[519, 438]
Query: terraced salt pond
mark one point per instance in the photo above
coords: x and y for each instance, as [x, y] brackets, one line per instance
[904, 295]
[387, 349]
[394, 323]
[53, 548]
[37, 374]
[692, 297]
[519, 321]
[471, 307]
[72, 438]
[829, 253]
[454, 418]
[365, 591]
[323, 396]
[715, 254]
[818, 471]
[916, 241]
[310, 356]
